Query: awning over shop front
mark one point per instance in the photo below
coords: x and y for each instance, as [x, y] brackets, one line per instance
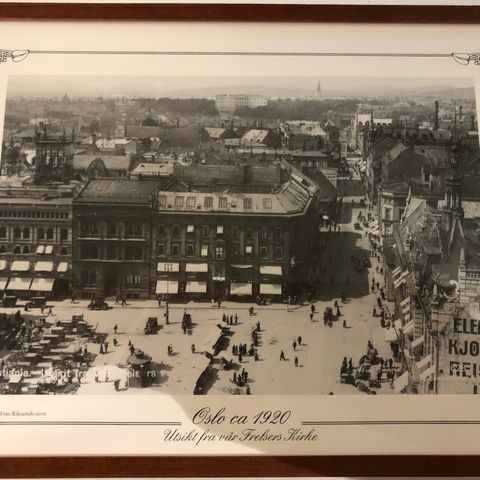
[401, 382]
[196, 287]
[196, 267]
[270, 289]
[164, 286]
[237, 288]
[426, 373]
[168, 267]
[62, 267]
[409, 327]
[424, 361]
[41, 249]
[417, 342]
[42, 284]
[49, 249]
[325, 217]
[242, 266]
[20, 266]
[3, 265]
[44, 267]
[3, 283]
[271, 270]
[19, 283]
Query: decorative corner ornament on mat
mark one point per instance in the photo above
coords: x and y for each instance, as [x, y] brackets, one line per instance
[14, 55]
[466, 58]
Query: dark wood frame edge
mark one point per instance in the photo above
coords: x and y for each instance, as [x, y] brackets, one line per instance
[241, 466]
[242, 12]
[238, 466]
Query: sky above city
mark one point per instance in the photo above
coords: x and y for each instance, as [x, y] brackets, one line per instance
[28, 86]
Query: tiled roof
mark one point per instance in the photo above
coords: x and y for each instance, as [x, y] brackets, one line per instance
[292, 197]
[111, 162]
[117, 191]
[255, 135]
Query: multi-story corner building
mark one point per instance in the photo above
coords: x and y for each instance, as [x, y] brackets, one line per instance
[112, 224]
[236, 244]
[35, 240]
[437, 292]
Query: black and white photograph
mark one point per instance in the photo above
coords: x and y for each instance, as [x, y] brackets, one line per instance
[239, 236]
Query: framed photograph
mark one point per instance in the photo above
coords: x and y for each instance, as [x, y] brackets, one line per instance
[230, 245]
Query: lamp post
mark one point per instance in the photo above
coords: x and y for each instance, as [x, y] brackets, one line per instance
[168, 267]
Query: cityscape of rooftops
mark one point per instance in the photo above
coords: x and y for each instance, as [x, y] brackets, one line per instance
[239, 235]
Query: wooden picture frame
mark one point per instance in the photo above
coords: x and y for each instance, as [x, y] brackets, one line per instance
[238, 466]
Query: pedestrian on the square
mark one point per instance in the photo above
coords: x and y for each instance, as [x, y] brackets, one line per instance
[101, 349]
[339, 313]
[129, 343]
[296, 361]
[248, 390]
[312, 308]
[240, 358]
[219, 303]
[115, 329]
[124, 300]
[282, 355]
[115, 342]
[132, 349]
[299, 340]
[311, 317]
[224, 318]
[234, 377]
[390, 363]
[379, 302]
[117, 300]
[374, 311]
[335, 304]
[294, 345]
[106, 376]
[231, 319]
[106, 347]
[73, 298]
[350, 364]
[96, 377]
[236, 318]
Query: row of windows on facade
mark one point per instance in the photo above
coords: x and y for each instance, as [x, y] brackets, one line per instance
[191, 201]
[33, 214]
[206, 230]
[26, 250]
[92, 229]
[89, 279]
[42, 233]
[135, 252]
[218, 251]
[94, 252]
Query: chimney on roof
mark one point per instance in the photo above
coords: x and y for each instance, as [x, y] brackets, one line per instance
[435, 121]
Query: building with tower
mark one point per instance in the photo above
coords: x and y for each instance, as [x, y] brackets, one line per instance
[53, 157]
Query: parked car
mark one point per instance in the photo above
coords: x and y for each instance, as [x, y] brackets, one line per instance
[98, 304]
[9, 301]
[151, 327]
[37, 302]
